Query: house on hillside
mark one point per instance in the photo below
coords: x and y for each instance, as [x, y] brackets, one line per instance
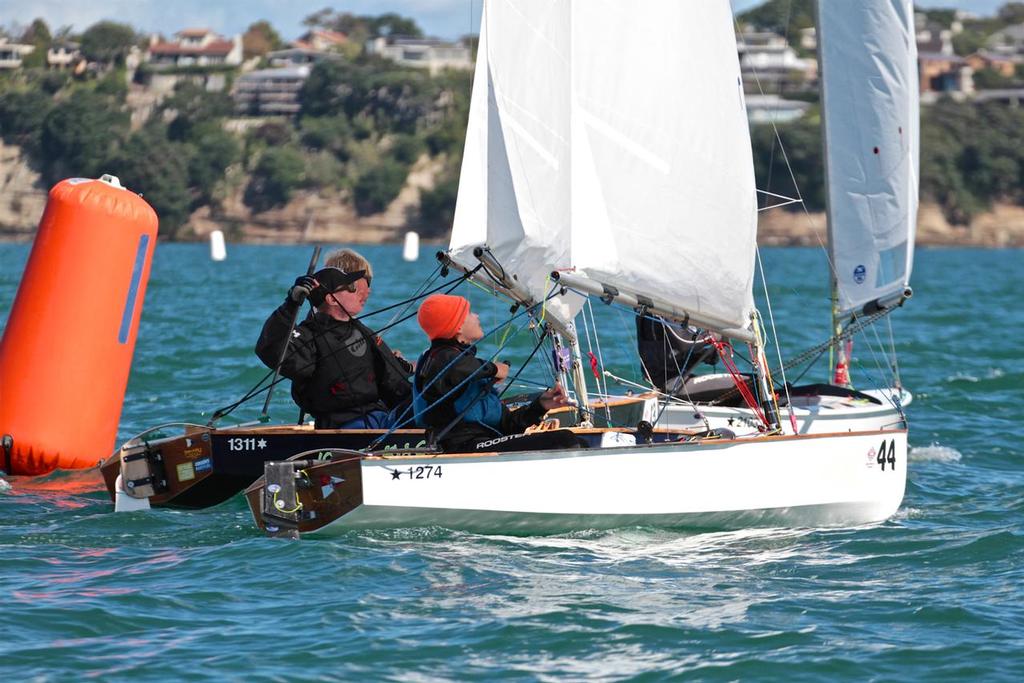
[769, 64]
[194, 47]
[11, 54]
[422, 53]
[942, 73]
[1004, 65]
[1008, 41]
[63, 55]
[932, 37]
[321, 40]
[270, 92]
[310, 48]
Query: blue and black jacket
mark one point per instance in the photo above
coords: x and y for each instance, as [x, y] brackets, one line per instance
[473, 412]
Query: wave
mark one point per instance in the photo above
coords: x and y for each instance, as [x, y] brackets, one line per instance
[935, 453]
[4, 485]
[962, 376]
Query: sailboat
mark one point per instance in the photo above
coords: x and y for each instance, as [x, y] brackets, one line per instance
[870, 121]
[607, 155]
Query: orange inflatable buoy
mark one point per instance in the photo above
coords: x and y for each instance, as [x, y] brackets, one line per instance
[67, 348]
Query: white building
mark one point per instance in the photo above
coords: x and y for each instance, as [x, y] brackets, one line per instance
[422, 53]
[769, 64]
[195, 48]
[62, 55]
[270, 92]
[11, 54]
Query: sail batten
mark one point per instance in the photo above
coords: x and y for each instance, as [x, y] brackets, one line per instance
[870, 117]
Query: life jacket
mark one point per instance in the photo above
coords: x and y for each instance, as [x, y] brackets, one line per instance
[477, 401]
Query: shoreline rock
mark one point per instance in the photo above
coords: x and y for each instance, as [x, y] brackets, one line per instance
[312, 217]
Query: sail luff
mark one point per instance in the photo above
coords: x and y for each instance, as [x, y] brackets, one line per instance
[868, 57]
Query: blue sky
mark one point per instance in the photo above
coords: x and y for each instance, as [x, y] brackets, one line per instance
[442, 18]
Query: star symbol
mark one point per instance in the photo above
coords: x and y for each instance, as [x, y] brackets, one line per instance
[262, 443]
[395, 474]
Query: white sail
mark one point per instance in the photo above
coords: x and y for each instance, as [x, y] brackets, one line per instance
[868, 56]
[612, 138]
[514, 187]
[663, 181]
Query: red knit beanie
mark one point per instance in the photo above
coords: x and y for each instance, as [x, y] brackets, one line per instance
[441, 315]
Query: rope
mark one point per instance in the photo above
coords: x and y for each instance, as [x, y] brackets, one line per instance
[403, 420]
[737, 378]
[258, 389]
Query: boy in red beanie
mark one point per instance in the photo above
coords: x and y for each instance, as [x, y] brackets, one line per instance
[472, 417]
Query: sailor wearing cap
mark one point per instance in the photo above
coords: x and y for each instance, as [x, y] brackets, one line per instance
[342, 374]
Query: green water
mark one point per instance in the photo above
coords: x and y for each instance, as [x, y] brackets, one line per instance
[933, 594]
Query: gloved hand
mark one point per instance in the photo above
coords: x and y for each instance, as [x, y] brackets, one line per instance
[304, 286]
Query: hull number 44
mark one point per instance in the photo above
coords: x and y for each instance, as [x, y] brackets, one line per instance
[887, 454]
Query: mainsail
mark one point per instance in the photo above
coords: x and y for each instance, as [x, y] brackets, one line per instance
[612, 138]
[868, 55]
[663, 178]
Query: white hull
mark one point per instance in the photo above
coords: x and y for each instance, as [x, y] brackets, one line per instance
[814, 415]
[828, 480]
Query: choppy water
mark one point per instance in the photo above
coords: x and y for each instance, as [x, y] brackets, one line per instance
[933, 594]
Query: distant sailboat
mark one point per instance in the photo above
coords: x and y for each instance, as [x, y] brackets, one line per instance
[582, 172]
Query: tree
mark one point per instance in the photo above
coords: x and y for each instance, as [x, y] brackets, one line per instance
[157, 168]
[279, 172]
[376, 188]
[37, 33]
[1011, 13]
[108, 42]
[392, 24]
[214, 149]
[259, 39]
[80, 135]
[192, 105]
[785, 17]
[437, 206]
[329, 133]
[802, 139]
[113, 85]
[22, 113]
[396, 99]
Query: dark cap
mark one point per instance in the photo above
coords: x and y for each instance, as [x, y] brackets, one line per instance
[332, 279]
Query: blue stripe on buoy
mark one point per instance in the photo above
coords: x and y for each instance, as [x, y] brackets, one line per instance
[133, 290]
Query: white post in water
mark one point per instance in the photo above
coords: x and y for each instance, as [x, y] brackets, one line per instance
[411, 249]
[218, 252]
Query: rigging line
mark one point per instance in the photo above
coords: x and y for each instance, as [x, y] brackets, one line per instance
[426, 283]
[590, 353]
[515, 378]
[874, 354]
[402, 420]
[600, 356]
[256, 390]
[815, 351]
[785, 157]
[670, 353]
[895, 357]
[775, 336]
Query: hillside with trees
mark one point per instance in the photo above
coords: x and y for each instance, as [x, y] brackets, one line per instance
[367, 126]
